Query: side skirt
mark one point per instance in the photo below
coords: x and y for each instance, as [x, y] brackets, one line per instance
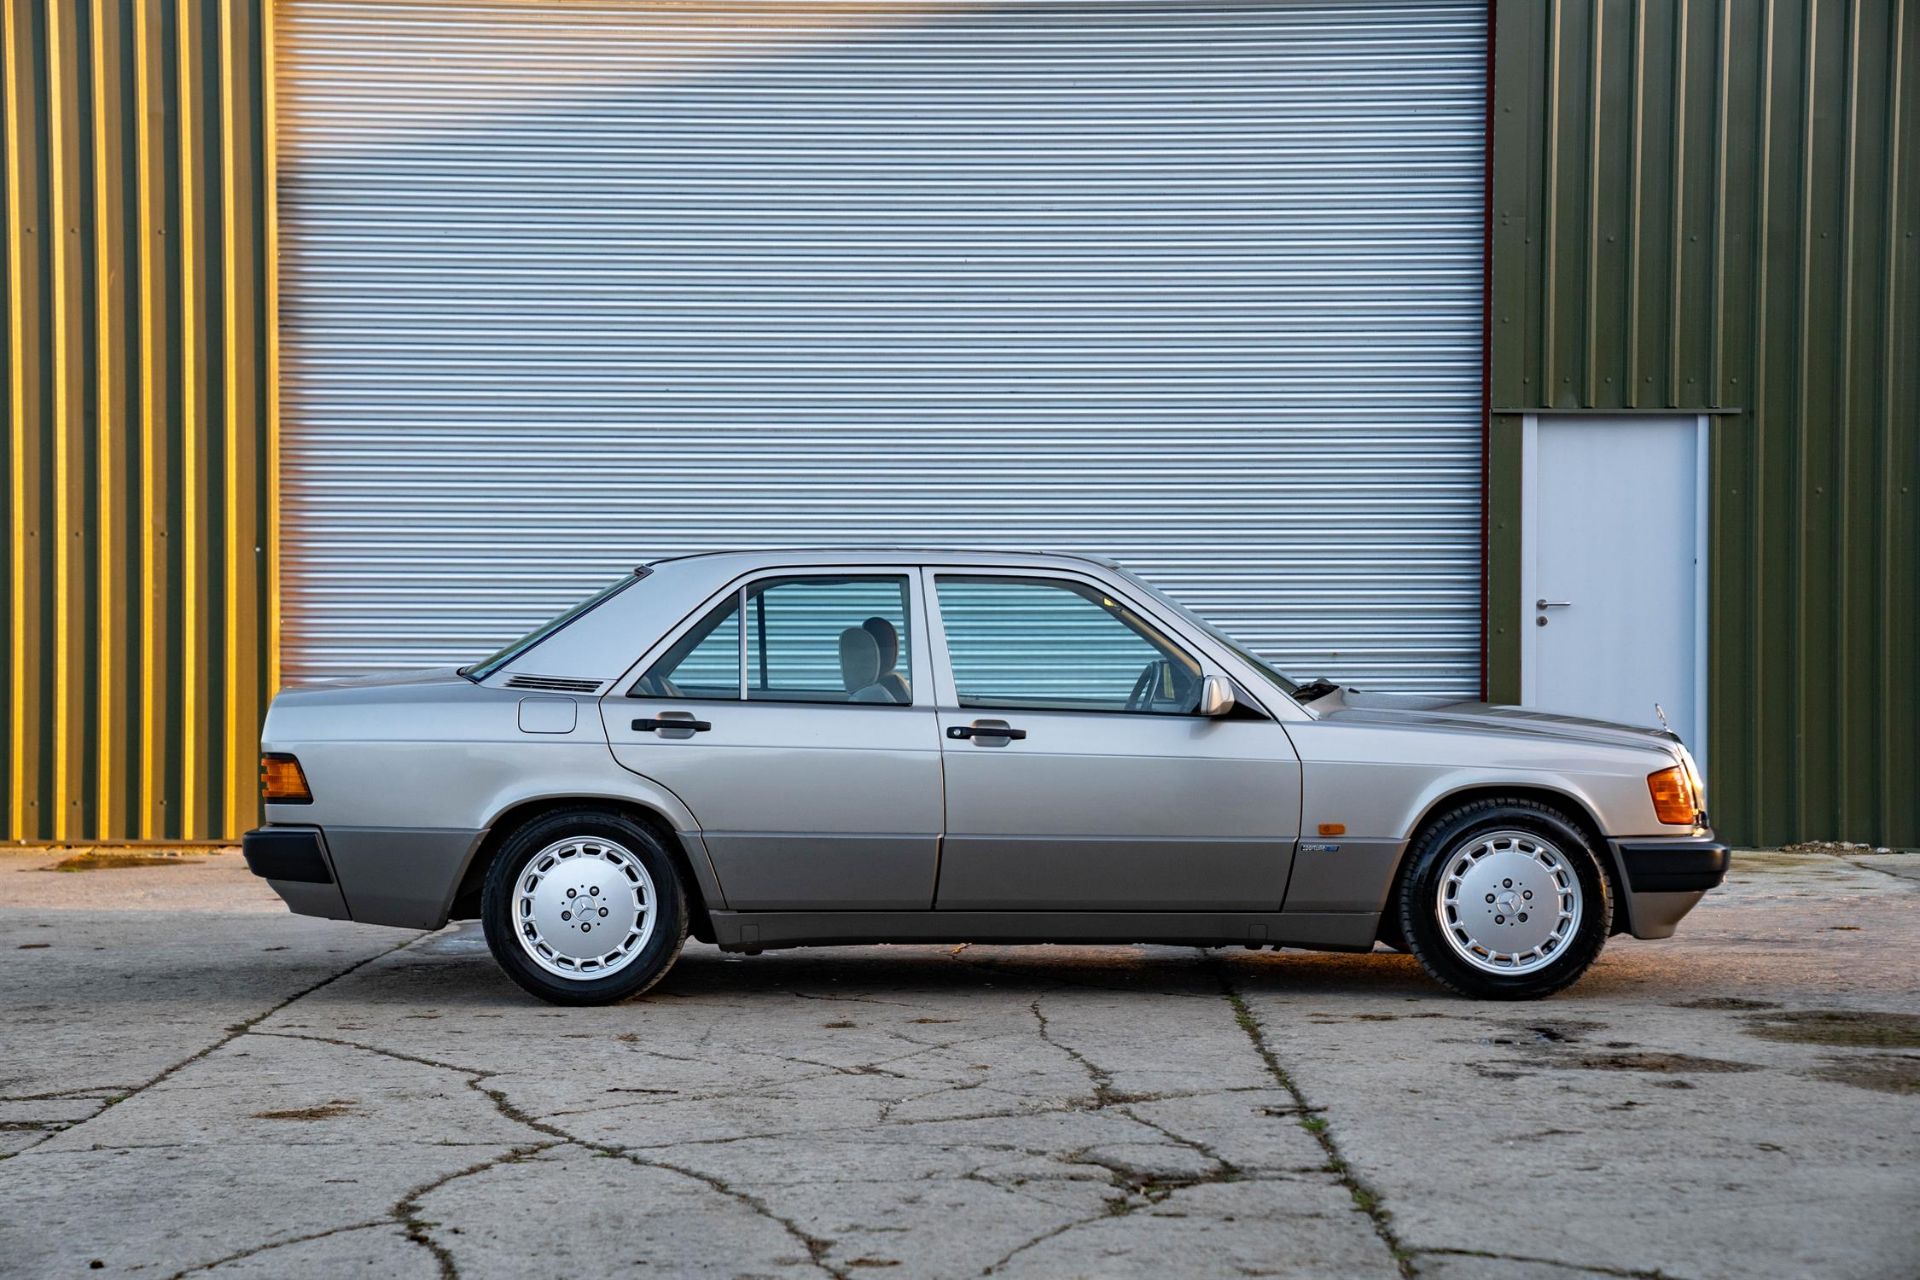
[1321, 931]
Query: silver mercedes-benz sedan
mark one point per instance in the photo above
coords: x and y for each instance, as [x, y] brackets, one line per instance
[798, 748]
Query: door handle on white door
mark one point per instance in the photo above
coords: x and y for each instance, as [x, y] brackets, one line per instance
[1553, 604]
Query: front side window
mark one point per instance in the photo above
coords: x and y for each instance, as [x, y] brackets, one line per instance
[808, 639]
[1056, 644]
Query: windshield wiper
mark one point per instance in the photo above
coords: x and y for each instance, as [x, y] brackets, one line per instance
[1318, 689]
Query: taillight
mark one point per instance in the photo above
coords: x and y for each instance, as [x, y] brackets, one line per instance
[1673, 800]
[281, 780]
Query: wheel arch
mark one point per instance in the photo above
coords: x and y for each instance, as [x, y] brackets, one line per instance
[466, 898]
[1576, 809]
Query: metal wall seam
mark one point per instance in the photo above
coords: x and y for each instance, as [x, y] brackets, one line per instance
[109, 193]
[153, 250]
[1892, 778]
[191, 336]
[59, 234]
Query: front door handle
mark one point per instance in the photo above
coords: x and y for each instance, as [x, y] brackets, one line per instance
[1552, 604]
[985, 731]
[674, 722]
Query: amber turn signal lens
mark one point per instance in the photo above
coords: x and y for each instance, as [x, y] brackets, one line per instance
[1672, 796]
[281, 781]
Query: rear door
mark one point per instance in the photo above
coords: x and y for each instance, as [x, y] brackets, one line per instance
[1080, 775]
[814, 776]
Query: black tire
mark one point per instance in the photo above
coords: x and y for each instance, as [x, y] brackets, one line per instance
[1418, 904]
[654, 957]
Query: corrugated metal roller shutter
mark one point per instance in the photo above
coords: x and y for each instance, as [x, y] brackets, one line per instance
[1196, 285]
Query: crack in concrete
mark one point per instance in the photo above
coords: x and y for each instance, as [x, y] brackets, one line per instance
[97, 1093]
[1365, 1198]
[817, 1248]
[234, 1032]
[406, 1210]
[1624, 1273]
[1102, 1079]
[1138, 1188]
[255, 1251]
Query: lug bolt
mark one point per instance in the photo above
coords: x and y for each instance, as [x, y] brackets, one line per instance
[1489, 897]
[572, 892]
[585, 927]
[566, 915]
[603, 911]
[1523, 917]
[595, 891]
[1527, 894]
[1499, 919]
[1506, 884]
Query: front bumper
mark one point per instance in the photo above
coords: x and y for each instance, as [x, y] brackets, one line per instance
[1664, 877]
[1674, 866]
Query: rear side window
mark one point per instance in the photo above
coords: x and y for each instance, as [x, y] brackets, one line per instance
[829, 640]
[838, 639]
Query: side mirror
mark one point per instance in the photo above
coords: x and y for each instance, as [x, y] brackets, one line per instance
[1216, 696]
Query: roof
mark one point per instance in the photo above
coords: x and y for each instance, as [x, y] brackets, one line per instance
[750, 557]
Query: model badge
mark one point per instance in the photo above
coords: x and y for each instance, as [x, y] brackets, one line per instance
[1319, 848]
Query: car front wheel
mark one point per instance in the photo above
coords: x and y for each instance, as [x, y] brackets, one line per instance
[1504, 900]
[584, 907]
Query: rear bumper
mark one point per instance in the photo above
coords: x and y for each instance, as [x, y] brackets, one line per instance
[405, 877]
[294, 863]
[1665, 877]
[287, 853]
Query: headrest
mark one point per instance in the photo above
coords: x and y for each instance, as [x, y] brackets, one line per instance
[859, 659]
[887, 636]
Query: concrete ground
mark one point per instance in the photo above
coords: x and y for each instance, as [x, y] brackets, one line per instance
[192, 1081]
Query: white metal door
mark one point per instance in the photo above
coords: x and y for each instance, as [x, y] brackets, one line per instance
[1193, 284]
[1613, 569]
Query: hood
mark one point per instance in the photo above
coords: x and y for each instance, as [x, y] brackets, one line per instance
[1348, 706]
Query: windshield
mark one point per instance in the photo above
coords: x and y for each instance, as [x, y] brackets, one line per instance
[481, 670]
[1240, 651]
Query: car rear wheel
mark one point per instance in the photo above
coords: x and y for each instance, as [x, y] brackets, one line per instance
[1504, 900]
[584, 907]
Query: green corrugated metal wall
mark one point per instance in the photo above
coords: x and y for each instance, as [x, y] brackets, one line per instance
[1716, 204]
[137, 505]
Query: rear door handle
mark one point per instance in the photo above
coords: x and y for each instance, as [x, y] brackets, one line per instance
[985, 731]
[649, 723]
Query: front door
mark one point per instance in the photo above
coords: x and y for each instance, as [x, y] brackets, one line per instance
[802, 741]
[1613, 570]
[1079, 774]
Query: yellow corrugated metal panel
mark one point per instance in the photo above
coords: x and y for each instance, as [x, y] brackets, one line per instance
[138, 517]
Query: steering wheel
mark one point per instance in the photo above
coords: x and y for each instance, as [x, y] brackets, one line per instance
[1141, 699]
